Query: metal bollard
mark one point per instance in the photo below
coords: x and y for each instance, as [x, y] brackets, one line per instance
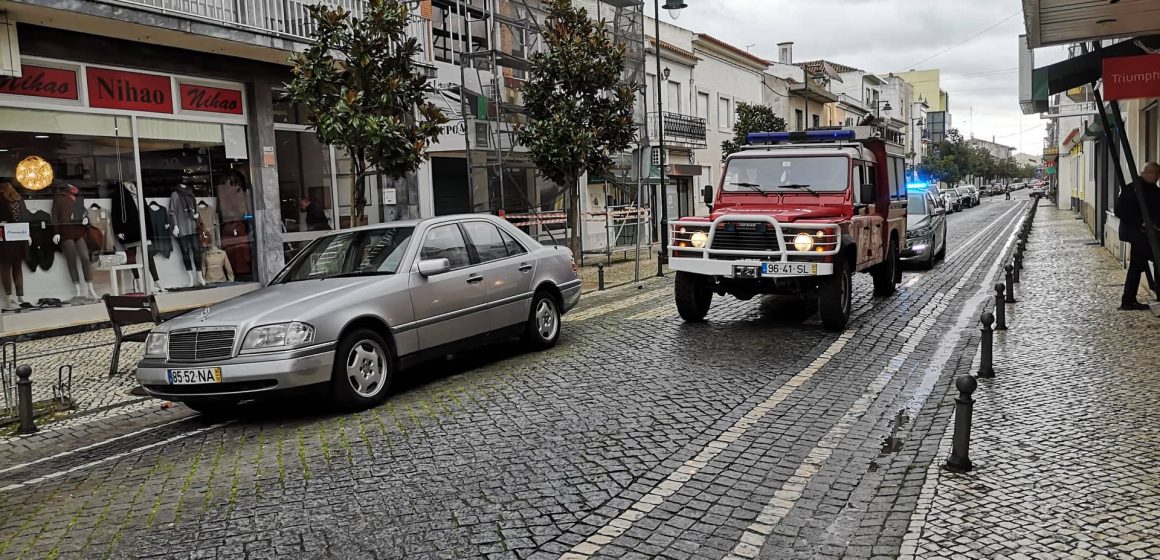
[24, 400]
[986, 369]
[1000, 308]
[1010, 284]
[660, 264]
[1018, 266]
[600, 276]
[960, 451]
[1018, 257]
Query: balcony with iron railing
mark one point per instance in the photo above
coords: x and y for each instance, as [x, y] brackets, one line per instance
[681, 131]
[284, 19]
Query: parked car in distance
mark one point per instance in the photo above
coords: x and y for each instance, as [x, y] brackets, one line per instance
[970, 195]
[1036, 190]
[952, 201]
[926, 230]
[356, 306]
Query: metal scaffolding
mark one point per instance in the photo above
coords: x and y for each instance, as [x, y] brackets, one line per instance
[501, 174]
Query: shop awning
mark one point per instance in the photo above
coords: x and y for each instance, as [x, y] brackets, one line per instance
[1088, 68]
[1070, 139]
[1059, 22]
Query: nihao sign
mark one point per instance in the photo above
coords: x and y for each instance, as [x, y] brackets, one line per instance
[39, 81]
[126, 90]
[207, 99]
[131, 91]
[1132, 77]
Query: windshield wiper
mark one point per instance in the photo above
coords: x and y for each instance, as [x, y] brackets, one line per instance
[800, 186]
[753, 186]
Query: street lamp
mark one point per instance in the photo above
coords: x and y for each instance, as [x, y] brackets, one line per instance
[673, 6]
[883, 105]
[915, 142]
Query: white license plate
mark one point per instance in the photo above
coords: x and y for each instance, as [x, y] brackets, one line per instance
[195, 376]
[789, 269]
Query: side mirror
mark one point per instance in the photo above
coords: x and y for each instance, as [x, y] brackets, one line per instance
[707, 194]
[939, 211]
[433, 267]
[868, 194]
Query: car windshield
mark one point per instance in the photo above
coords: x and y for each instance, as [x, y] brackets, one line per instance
[352, 253]
[818, 174]
[916, 204]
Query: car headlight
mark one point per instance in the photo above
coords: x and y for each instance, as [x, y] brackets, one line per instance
[157, 345]
[919, 232]
[283, 335]
[699, 239]
[803, 242]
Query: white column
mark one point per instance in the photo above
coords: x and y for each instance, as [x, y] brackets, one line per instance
[426, 190]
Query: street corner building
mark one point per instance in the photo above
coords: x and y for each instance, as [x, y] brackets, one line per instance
[145, 147]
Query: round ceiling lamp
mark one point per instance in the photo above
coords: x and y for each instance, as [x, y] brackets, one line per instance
[33, 173]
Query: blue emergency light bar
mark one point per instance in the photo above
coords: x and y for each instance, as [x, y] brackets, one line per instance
[917, 186]
[801, 136]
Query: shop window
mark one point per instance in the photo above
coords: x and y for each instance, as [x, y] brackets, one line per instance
[305, 182]
[288, 112]
[199, 210]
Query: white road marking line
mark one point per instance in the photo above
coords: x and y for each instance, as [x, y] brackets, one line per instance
[58, 474]
[786, 497]
[604, 309]
[92, 445]
[677, 479]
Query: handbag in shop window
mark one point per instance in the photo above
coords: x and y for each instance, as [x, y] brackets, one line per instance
[109, 260]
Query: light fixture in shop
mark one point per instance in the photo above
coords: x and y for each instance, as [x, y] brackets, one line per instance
[40, 136]
[34, 173]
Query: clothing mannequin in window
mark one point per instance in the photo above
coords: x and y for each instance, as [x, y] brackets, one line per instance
[183, 216]
[216, 265]
[70, 219]
[207, 226]
[12, 210]
[127, 229]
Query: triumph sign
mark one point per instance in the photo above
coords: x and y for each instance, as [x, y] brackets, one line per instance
[1132, 77]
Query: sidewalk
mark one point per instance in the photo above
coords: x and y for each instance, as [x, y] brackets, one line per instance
[1066, 438]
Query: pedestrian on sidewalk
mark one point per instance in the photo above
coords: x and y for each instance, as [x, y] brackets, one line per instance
[1132, 231]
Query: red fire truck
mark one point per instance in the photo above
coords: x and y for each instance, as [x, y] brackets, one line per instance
[796, 213]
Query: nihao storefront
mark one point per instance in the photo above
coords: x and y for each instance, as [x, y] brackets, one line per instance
[139, 168]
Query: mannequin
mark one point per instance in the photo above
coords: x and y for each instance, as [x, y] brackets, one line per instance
[207, 226]
[183, 216]
[216, 265]
[233, 205]
[12, 253]
[126, 226]
[70, 219]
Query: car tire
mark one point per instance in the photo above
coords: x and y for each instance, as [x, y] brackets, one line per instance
[835, 299]
[363, 368]
[543, 327]
[886, 272]
[694, 296]
[214, 409]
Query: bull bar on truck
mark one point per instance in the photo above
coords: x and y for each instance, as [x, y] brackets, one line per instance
[714, 261]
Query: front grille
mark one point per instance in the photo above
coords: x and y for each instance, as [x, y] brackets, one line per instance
[201, 345]
[745, 236]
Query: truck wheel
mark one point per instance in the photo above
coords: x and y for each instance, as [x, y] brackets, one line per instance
[694, 296]
[885, 273]
[834, 301]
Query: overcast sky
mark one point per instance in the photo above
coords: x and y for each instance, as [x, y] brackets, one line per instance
[882, 36]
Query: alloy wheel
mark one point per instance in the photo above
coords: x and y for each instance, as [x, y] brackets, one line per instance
[366, 368]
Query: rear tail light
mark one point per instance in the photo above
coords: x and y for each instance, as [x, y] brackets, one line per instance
[574, 269]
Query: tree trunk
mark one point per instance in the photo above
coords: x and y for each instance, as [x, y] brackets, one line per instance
[574, 216]
[357, 189]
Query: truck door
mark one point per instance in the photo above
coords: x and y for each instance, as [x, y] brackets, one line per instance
[867, 224]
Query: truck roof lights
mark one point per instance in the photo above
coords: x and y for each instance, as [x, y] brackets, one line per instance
[833, 135]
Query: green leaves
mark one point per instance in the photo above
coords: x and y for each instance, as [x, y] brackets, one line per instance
[359, 83]
[751, 118]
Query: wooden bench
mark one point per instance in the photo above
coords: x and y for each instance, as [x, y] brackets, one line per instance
[125, 311]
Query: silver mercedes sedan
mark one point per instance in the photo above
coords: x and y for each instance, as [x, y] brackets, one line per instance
[356, 306]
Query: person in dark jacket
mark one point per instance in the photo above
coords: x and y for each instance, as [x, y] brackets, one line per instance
[315, 216]
[1132, 230]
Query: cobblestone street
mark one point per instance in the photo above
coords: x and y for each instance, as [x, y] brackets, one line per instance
[755, 435]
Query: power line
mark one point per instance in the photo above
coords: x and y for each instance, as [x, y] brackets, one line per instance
[1020, 132]
[968, 40]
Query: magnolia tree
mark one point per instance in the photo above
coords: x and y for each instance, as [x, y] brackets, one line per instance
[361, 87]
[751, 118]
[580, 115]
